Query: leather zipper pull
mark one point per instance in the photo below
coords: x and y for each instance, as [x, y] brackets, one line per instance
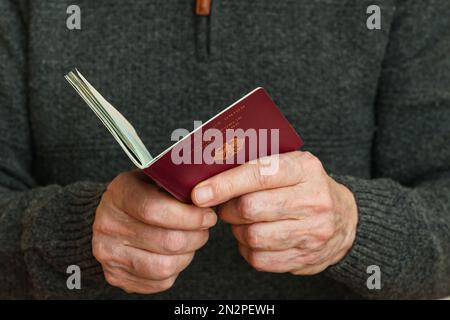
[202, 7]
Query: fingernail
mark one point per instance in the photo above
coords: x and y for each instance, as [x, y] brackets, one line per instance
[203, 194]
[209, 219]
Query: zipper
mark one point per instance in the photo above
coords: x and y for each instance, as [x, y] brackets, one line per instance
[202, 25]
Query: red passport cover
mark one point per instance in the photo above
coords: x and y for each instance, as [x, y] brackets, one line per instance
[254, 111]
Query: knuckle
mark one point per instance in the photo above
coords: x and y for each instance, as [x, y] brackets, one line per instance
[166, 267]
[129, 290]
[302, 242]
[147, 289]
[113, 280]
[326, 232]
[117, 182]
[165, 284]
[107, 223]
[296, 154]
[285, 238]
[253, 236]
[319, 246]
[121, 177]
[100, 218]
[294, 165]
[112, 186]
[328, 202]
[149, 207]
[99, 250]
[303, 272]
[308, 156]
[313, 163]
[310, 270]
[256, 260]
[105, 198]
[247, 207]
[313, 244]
[97, 227]
[296, 272]
[289, 163]
[312, 258]
[325, 203]
[261, 180]
[103, 225]
[175, 242]
[142, 265]
[138, 264]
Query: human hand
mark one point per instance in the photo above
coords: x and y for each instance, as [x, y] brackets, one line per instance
[297, 220]
[143, 237]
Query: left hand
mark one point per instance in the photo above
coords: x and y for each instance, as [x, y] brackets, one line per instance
[296, 220]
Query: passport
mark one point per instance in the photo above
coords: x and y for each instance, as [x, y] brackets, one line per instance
[251, 128]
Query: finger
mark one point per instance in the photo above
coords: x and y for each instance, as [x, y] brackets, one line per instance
[153, 206]
[267, 261]
[293, 202]
[250, 177]
[330, 256]
[267, 205]
[278, 235]
[309, 270]
[142, 263]
[280, 261]
[147, 237]
[321, 264]
[164, 241]
[156, 266]
[120, 277]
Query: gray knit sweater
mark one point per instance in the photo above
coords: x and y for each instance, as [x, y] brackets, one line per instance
[373, 105]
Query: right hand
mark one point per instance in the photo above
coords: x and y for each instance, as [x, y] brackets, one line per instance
[143, 237]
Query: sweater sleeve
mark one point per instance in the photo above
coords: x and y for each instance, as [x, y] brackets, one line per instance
[43, 230]
[404, 212]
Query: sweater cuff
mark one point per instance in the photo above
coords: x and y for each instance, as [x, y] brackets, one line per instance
[380, 233]
[57, 233]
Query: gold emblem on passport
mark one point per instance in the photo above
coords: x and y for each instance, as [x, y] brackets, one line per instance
[229, 149]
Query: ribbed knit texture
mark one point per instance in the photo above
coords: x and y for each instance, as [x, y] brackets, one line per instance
[70, 242]
[386, 240]
[373, 105]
